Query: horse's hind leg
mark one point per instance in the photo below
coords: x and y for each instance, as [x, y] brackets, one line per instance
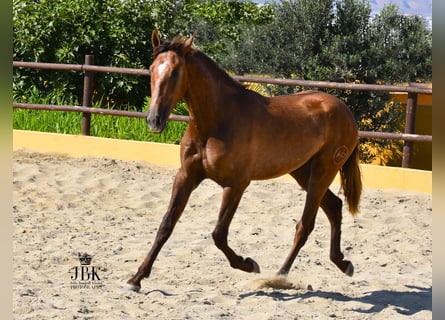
[230, 201]
[182, 188]
[303, 229]
[332, 206]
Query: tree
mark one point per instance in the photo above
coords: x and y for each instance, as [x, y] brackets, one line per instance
[294, 37]
[218, 25]
[400, 47]
[117, 33]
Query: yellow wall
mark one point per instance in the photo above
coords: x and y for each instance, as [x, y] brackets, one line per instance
[165, 154]
[83, 146]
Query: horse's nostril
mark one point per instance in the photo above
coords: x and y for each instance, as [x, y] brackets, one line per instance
[155, 122]
[158, 121]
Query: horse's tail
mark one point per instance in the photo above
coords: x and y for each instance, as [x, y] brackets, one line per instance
[351, 181]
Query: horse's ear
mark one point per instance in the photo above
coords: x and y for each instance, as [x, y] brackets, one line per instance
[188, 44]
[155, 39]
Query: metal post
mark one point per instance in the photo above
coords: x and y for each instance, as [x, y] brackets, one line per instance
[411, 106]
[87, 96]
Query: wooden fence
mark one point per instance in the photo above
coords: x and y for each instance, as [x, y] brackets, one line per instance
[88, 68]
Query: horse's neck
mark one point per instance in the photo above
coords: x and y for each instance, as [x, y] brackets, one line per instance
[207, 87]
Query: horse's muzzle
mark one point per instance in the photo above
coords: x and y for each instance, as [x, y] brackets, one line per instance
[156, 122]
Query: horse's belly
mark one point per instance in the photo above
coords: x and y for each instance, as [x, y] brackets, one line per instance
[269, 172]
[277, 164]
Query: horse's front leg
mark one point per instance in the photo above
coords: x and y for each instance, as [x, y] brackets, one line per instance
[230, 201]
[182, 188]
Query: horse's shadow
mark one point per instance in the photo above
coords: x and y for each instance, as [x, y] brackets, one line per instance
[405, 302]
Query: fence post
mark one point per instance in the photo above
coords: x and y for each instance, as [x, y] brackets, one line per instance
[87, 95]
[411, 106]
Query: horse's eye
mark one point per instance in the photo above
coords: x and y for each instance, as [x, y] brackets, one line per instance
[175, 73]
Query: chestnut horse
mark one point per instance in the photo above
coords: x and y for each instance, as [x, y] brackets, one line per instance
[236, 135]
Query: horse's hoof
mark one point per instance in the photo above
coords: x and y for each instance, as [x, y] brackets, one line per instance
[256, 267]
[349, 269]
[131, 287]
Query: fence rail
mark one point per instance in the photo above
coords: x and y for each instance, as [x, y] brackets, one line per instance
[108, 112]
[88, 68]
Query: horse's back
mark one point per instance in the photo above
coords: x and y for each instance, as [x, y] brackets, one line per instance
[308, 102]
[310, 112]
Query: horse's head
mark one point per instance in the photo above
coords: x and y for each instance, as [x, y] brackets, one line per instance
[168, 79]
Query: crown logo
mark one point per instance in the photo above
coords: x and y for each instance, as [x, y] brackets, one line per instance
[84, 258]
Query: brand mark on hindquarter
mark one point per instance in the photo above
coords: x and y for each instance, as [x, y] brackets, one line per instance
[340, 154]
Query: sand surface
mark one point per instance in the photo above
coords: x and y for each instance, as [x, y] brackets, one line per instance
[111, 210]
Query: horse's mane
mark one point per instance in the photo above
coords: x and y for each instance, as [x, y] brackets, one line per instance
[177, 45]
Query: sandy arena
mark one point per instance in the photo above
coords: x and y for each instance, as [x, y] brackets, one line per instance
[111, 210]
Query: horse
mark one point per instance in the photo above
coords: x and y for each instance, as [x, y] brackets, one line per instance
[236, 135]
